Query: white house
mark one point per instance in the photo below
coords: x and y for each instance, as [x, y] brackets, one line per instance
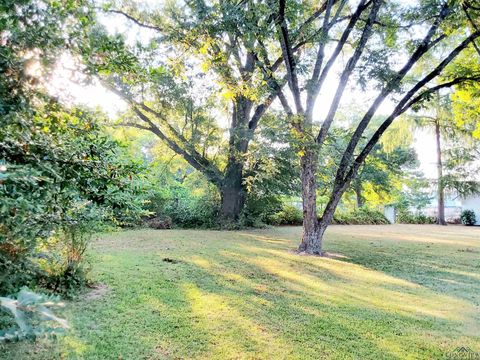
[454, 205]
[472, 202]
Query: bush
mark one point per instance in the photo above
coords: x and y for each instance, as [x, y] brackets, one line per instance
[289, 215]
[468, 217]
[64, 264]
[259, 210]
[185, 209]
[70, 163]
[362, 216]
[405, 217]
[63, 256]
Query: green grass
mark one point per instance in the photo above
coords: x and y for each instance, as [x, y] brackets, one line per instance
[391, 292]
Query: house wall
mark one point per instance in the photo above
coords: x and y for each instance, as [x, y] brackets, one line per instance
[472, 203]
[452, 213]
[390, 214]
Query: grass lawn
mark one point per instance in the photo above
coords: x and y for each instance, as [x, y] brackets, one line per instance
[390, 292]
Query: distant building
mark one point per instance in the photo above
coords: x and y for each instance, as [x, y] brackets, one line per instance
[453, 207]
[472, 202]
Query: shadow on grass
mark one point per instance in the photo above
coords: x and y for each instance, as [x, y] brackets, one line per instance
[249, 297]
[248, 304]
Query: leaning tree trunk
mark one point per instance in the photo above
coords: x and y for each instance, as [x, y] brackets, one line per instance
[311, 239]
[440, 186]
[327, 216]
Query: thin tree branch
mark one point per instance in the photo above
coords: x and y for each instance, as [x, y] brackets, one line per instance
[318, 61]
[134, 125]
[133, 19]
[474, 26]
[338, 49]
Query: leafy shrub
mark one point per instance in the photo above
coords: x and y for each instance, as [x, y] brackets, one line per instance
[68, 173]
[51, 157]
[65, 267]
[405, 217]
[361, 216]
[289, 215]
[184, 208]
[468, 217]
[259, 209]
[31, 314]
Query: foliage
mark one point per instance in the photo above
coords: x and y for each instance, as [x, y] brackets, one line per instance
[384, 174]
[468, 217]
[289, 215]
[361, 216]
[260, 210]
[184, 207]
[272, 173]
[60, 171]
[62, 256]
[406, 217]
[32, 315]
[465, 98]
[415, 194]
[23, 203]
[53, 160]
[193, 212]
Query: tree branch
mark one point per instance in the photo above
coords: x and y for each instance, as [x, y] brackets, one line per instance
[395, 114]
[202, 165]
[407, 102]
[190, 154]
[288, 56]
[351, 64]
[134, 125]
[133, 19]
[423, 48]
[474, 26]
[363, 5]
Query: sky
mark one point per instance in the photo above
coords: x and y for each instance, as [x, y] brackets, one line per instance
[94, 95]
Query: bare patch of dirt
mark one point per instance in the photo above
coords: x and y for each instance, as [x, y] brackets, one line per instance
[97, 291]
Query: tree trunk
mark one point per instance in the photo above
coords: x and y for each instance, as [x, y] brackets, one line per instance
[232, 189]
[440, 186]
[312, 235]
[232, 192]
[358, 193]
[327, 216]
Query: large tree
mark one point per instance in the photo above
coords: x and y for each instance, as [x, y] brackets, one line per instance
[387, 43]
[228, 40]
